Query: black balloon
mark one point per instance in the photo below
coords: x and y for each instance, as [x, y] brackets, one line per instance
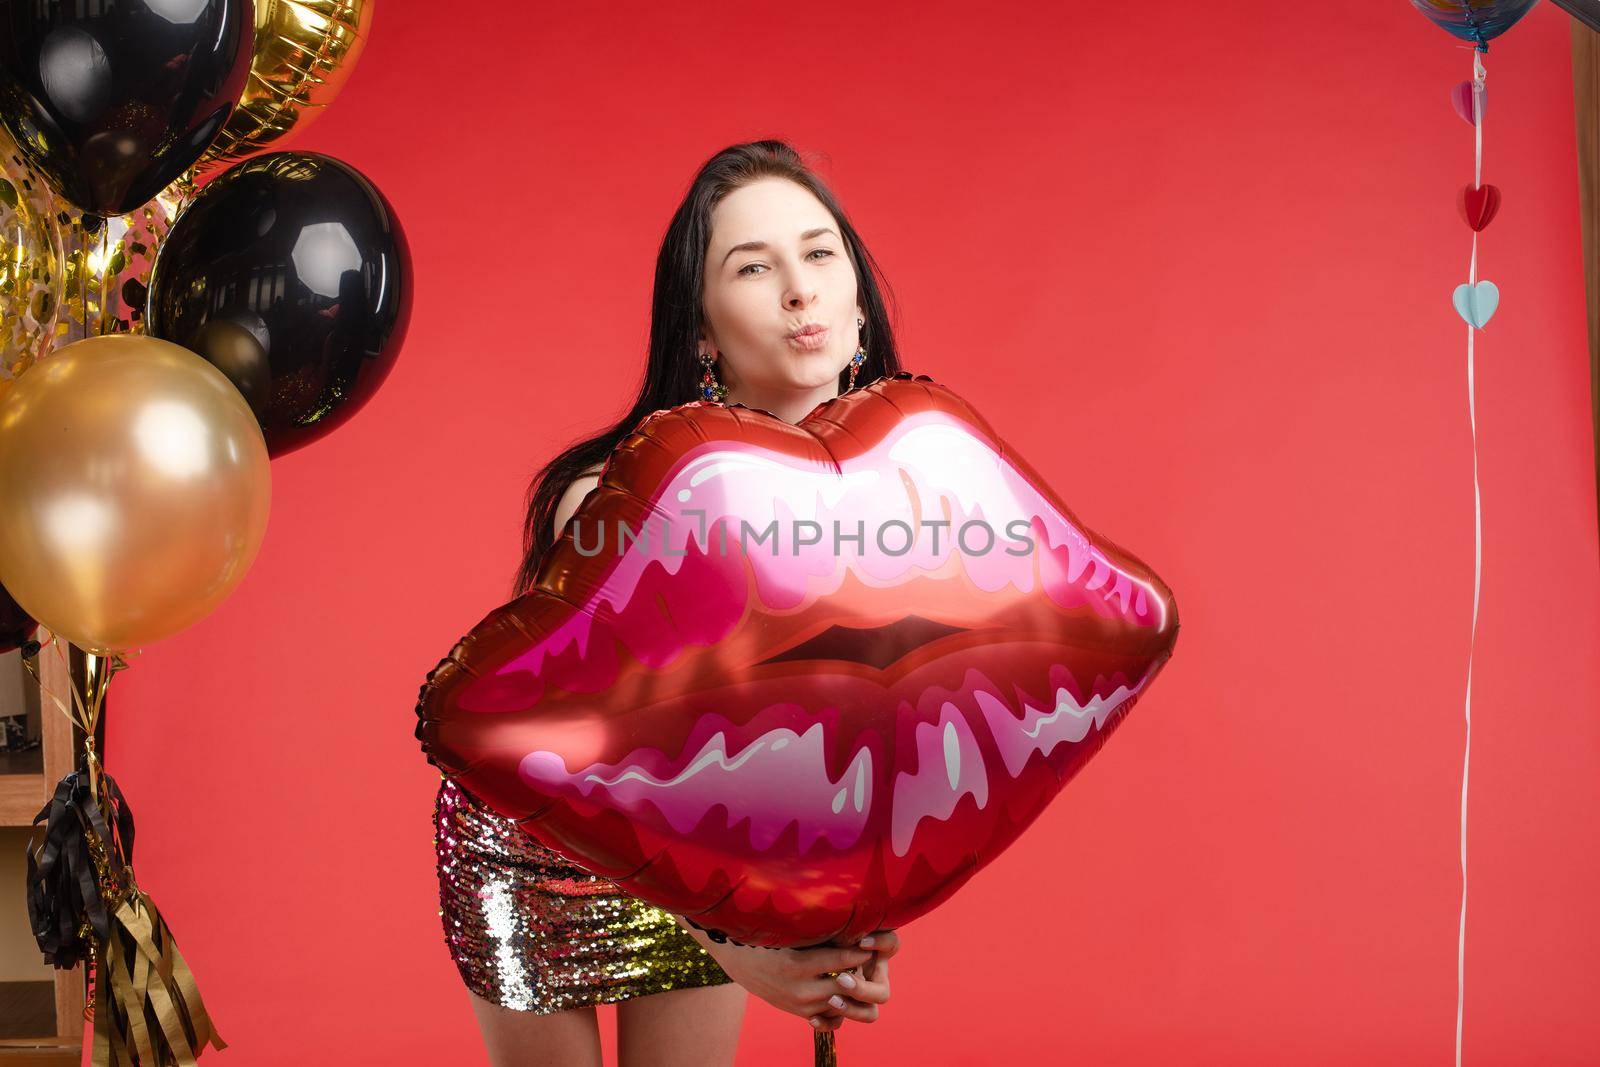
[17, 627]
[112, 100]
[291, 274]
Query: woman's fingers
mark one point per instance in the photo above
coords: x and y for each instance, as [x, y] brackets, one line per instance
[828, 1017]
[834, 959]
[877, 971]
[852, 995]
[870, 985]
[855, 993]
[883, 942]
[841, 1007]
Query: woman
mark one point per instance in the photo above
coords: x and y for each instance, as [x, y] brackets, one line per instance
[766, 297]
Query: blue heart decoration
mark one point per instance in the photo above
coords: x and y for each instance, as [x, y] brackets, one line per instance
[1476, 303]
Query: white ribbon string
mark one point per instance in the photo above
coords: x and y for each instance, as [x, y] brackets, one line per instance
[1478, 75]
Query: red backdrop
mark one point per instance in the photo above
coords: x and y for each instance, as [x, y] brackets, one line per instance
[1195, 262]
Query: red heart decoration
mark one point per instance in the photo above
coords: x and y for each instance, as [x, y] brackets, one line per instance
[804, 746]
[1478, 204]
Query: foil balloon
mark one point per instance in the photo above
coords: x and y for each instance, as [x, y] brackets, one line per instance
[112, 102]
[134, 490]
[291, 274]
[30, 267]
[109, 261]
[822, 674]
[304, 53]
[1478, 21]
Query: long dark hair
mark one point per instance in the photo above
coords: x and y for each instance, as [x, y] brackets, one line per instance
[672, 374]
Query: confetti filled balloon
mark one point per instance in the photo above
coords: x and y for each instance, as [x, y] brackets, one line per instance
[1478, 21]
[304, 53]
[109, 262]
[847, 663]
[30, 267]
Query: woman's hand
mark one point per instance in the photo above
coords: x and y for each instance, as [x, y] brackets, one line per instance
[798, 980]
[870, 986]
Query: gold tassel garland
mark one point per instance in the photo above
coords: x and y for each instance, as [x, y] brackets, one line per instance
[83, 902]
[149, 982]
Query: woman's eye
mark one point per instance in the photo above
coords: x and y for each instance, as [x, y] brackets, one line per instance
[748, 267]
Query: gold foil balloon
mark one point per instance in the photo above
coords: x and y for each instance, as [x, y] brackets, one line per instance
[106, 279]
[134, 490]
[304, 53]
[30, 267]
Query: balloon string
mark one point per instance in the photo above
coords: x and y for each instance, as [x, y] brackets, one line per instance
[1478, 75]
[90, 703]
[80, 250]
[83, 700]
[100, 280]
[33, 669]
[1477, 572]
[97, 670]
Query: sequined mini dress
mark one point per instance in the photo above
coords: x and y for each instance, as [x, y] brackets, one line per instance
[532, 931]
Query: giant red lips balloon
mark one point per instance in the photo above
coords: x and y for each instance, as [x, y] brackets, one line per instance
[800, 682]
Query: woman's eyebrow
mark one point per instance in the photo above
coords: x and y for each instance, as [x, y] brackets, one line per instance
[752, 246]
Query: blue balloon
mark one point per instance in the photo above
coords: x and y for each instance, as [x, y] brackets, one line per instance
[1478, 21]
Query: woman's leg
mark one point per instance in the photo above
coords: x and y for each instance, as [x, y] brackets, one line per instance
[697, 1027]
[526, 1039]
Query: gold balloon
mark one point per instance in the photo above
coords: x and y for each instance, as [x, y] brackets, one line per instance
[30, 267]
[106, 277]
[304, 53]
[134, 489]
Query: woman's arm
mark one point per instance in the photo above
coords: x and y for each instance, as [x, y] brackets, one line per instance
[793, 980]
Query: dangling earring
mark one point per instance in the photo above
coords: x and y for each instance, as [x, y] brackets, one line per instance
[859, 358]
[710, 388]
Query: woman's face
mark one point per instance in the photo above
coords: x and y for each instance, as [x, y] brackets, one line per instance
[776, 263]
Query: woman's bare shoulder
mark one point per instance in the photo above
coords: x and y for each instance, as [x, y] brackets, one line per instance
[572, 499]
